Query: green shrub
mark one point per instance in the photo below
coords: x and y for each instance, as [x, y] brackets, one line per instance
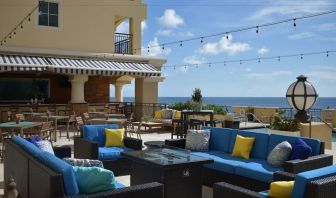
[197, 95]
[189, 106]
[285, 124]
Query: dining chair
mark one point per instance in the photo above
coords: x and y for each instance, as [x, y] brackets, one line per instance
[47, 129]
[86, 117]
[79, 125]
[71, 122]
[132, 129]
[20, 116]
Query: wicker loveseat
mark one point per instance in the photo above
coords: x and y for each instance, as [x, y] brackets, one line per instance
[166, 117]
[254, 173]
[318, 183]
[41, 174]
[91, 145]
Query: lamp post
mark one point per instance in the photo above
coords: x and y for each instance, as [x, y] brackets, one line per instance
[301, 95]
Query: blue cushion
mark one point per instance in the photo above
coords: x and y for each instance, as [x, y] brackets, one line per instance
[219, 138]
[34, 139]
[259, 149]
[275, 139]
[303, 178]
[27, 146]
[264, 193]
[111, 153]
[119, 185]
[223, 162]
[94, 179]
[257, 169]
[96, 133]
[300, 150]
[63, 168]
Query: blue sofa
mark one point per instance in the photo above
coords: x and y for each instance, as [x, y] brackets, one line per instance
[40, 174]
[254, 173]
[91, 145]
[318, 183]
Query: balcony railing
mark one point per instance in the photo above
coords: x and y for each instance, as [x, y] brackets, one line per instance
[123, 43]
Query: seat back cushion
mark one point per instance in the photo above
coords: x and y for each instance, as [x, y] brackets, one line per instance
[94, 179]
[62, 168]
[302, 179]
[27, 146]
[219, 139]
[275, 139]
[96, 133]
[259, 149]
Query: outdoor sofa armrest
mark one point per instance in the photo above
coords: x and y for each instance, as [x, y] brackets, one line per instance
[133, 143]
[179, 143]
[324, 187]
[283, 176]
[62, 151]
[224, 189]
[311, 163]
[85, 149]
[148, 190]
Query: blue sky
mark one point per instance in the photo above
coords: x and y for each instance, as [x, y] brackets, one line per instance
[171, 20]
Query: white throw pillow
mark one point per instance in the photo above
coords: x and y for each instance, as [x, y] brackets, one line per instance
[45, 145]
[279, 154]
[198, 140]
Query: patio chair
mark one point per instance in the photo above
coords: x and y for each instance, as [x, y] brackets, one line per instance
[79, 125]
[132, 129]
[20, 116]
[71, 122]
[86, 117]
[47, 129]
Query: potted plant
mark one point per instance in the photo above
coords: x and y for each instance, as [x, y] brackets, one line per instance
[196, 99]
[249, 114]
[146, 118]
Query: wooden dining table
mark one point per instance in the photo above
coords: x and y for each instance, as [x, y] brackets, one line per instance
[21, 126]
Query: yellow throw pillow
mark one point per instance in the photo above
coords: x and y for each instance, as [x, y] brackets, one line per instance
[158, 115]
[281, 189]
[177, 114]
[243, 147]
[114, 137]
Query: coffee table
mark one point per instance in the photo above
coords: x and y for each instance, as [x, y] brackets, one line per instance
[177, 169]
[150, 125]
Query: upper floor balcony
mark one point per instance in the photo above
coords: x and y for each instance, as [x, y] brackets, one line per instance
[123, 43]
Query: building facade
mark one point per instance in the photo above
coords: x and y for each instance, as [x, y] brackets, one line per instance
[62, 51]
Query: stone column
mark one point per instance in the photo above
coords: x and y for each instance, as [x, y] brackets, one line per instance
[118, 92]
[135, 30]
[77, 88]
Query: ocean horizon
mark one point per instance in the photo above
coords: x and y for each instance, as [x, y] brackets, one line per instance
[321, 103]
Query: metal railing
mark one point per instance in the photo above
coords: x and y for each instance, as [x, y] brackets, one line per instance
[314, 113]
[123, 43]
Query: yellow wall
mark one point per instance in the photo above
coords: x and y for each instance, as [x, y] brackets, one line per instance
[85, 25]
[329, 116]
[262, 113]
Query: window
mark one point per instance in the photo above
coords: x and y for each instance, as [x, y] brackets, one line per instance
[48, 14]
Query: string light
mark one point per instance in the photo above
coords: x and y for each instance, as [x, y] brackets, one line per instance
[163, 47]
[294, 22]
[201, 39]
[148, 49]
[257, 27]
[181, 43]
[240, 61]
[29, 18]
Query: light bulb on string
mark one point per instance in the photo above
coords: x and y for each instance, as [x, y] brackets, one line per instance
[163, 47]
[327, 53]
[10, 36]
[227, 35]
[294, 24]
[185, 67]
[257, 30]
[148, 49]
[240, 62]
[174, 67]
[29, 19]
[258, 60]
[181, 43]
[21, 26]
[279, 58]
[301, 56]
[201, 39]
[224, 63]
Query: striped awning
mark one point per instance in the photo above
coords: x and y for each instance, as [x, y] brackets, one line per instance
[76, 66]
[22, 63]
[102, 67]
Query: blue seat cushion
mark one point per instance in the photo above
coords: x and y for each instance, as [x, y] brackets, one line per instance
[303, 178]
[257, 169]
[264, 193]
[96, 133]
[259, 149]
[27, 146]
[119, 185]
[111, 153]
[275, 139]
[223, 162]
[62, 168]
[219, 138]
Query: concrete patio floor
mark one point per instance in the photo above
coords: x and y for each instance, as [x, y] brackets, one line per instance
[156, 134]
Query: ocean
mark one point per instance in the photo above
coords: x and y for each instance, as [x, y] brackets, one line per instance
[322, 103]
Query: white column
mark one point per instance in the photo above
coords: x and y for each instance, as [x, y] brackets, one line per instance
[77, 88]
[118, 92]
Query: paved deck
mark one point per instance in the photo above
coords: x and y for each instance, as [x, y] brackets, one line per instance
[157, 134]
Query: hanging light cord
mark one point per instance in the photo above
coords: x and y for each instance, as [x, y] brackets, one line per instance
[19, 25]
[301, 55]
[256, 27]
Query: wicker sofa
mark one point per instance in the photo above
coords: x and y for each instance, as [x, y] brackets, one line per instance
[40, 174]
[91, 145]
[318, 183]
[166, 117]
[255, 173]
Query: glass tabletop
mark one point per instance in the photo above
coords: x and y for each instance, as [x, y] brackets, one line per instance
[166, 156]
[14, 124]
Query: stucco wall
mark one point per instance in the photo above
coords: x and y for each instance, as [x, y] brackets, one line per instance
[85, 25]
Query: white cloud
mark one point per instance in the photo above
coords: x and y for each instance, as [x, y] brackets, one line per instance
[289, 7]
[326, 27]
[323, 74]
[193, 60]
[166, 32]
[268, 76]
[224, 45]
[155, 49]
[143, 25]
[123, 27]
[263, 50]
[302, 35]
[170, 19]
